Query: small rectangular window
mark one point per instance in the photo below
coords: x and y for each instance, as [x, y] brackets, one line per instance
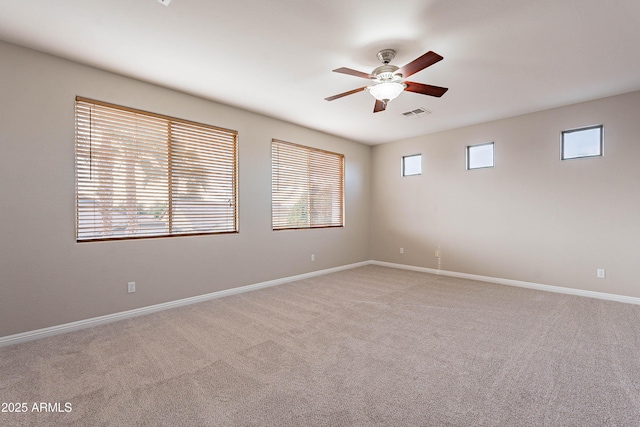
[307, 187]
[412, 165]
[480, 156]
[583, 142]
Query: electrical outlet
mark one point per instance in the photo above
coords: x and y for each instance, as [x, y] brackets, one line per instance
[313, 257]
[401, 250]
[131, 287]
[600, 273]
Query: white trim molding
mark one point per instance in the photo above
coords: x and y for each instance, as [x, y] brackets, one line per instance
[518, 283]
[101, 320]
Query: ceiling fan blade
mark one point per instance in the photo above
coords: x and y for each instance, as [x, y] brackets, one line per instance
[351, 92]
[418, 64]
[380, 106]
[425, 89]
[351, 72]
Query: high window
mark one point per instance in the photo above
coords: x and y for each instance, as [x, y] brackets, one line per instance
[140, 174]
[412, 165]
[307, 187]
[480, 156]
[583, 142]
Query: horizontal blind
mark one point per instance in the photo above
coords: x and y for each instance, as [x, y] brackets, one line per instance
[307, 187]
[140, 174]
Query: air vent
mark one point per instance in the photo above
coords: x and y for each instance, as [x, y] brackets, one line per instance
[164, 2]
[418, 112]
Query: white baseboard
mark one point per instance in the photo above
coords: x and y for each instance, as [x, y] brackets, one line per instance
[518, 283]
[101, 320]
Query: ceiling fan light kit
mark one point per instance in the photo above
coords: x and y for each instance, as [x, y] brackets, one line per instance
[386, 91]
[387, 79]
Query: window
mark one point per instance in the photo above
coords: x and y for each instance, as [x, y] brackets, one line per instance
[145, 175]
[412, 165]
[307, 188]
[480, 156]
[584, 142]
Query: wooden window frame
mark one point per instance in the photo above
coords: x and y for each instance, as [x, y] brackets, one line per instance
[144, 175]
[307, 187]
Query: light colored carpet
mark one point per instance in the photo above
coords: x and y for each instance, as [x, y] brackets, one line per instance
[367, 346]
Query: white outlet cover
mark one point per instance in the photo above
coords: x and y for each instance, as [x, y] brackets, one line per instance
[600, 273]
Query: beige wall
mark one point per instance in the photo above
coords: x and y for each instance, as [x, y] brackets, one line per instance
[47, 279]
[533, 217]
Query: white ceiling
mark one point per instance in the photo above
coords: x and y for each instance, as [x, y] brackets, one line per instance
[501, 57]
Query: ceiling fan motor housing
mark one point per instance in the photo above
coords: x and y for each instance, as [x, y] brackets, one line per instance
[386, 73]
[387, 84]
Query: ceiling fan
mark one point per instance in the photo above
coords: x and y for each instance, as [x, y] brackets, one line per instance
[388, 79]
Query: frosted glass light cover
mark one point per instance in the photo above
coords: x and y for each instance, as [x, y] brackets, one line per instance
[386, 91]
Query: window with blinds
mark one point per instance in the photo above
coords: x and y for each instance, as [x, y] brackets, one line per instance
[307, 188]
[142, 175]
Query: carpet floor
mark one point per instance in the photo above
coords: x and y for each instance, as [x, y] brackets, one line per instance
[367, 346]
